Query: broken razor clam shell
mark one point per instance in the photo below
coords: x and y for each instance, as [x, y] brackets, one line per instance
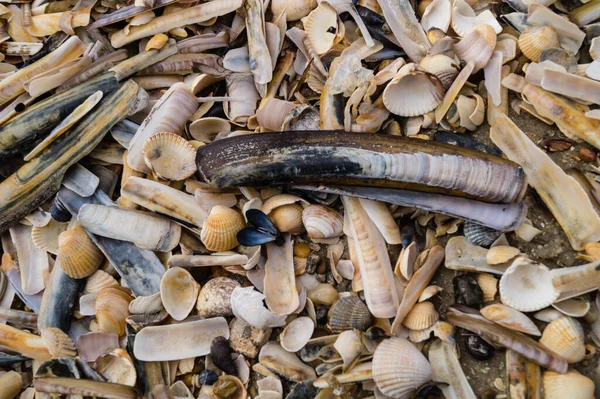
[511, 318]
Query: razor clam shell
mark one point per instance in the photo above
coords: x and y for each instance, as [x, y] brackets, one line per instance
[446, 368]
[8, 359]
[18, 318]
[400, 15]
[575, 281]
[126, 12]
[33, 262]
[80, 180]
[74, 387]
[524, 376]
[280, 283]
[139, 268]
[260, 60]
[207, 260]
[23, 342]
[33, 302]
[462, 255]
[334, 157]
[143, 60]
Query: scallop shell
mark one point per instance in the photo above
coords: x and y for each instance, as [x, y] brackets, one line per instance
[535, 39]
[46, 237]
[565, 337]
[423, 315]
[112, 308]
[296, 334]
[501, 254]
[207, 129]
[322, 221]
[511, 318]
[527, 286]
[489, 286]
[480, 235]
[117, 367]
[220, 228]
[170, 156]
[214, 299]
[399, 382]
[413, 92]
[178, 292]
[570, 385]
[294, 10]
[321, 27]
[442, 66]
[288, 218]
[99, 280]
[477, 46]
[78, 255]
[57, 342]
[349, 313]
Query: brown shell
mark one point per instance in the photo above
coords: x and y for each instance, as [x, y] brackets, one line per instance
[58, 343]
[78, 255]
[322, 221]
[221, 227]
[423, 315]
[214, 299]
[112, 309]
[535, 39]
[349, 313]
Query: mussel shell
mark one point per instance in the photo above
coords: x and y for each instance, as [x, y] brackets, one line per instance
[59, 212]
[220, 353]
[349, 313]
[58, 367]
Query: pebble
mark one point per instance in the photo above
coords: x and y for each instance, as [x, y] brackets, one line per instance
[478, 348]
[467, 291]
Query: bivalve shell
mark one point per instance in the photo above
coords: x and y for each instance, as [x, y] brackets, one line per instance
[220, 228]
[535, 39]
[170, 156]
[99, 280]
[294, 10]
[413, 92]
[527, 286]
[395, 381]
[501, 254]
[117, 367]
[321, 27]
[178, 292]
[58, 343]
[288, 218]
[296, 334]
[442, 66]
[349, 313]
[229, 387]
[488, 285]
[570, 385]
[510, 318]
[321, 222]
[112, 308]
[214, 299]
[480, 235]
[78, 255]
[46, 237]
[477, 46]
[423, 315]
[207, 129]
[564, 337]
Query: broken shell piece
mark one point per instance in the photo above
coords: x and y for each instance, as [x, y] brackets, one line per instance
[430, 292]
[464, 18]
[437, 15]
[422, 316]
[146, 304]
[477, 46]
[280, 282]
[79, 257]
[117, 367]
[246, 339]
[547, 315]
[501, 254]
[574, 307]
[527, 286]
[321, 27]
[462, 255]
[296, 334]
[46, 237]
[413, 92]
[488, 285]
[349, 313]
[178, 292]
[570, 385]
[443, 67]
[112, 308]
[247, 304]
[157, 42]
[170, 156]
[293, 10]
[446, 367]
[221, 227]
[349, 346]
[229, 387]
[536, 39]
[564, 337]
[58, 343]
[398, 382]
[284, 363]
[207, 129]
[214, 299]
[273, 112]
[511, 318]
[321, 222]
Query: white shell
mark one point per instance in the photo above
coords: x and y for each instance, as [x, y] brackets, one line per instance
[510, 318]
[437, 15]
[178, 292]
[477, 46]
[296, 334]
[247, 304]
[464, 18]
[527, 286]
[349, 346]
[413, 92]
[284, 363]
[574, 307]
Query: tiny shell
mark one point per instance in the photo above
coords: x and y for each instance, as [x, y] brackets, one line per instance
[564, 337]
[423, 315]
[221, 227]
[535, 39]
[112, 308]
[480, 235]
[547, 315]
[178, 292]
[350, 312]
[169, 156]
[510, 318]
[413, 92]
[146, 304]
[442, 66]
[574, 307]
[488, 285]
[501, 254]
[78, 255]
[322, 222]
[296, 334]
[206, 129]
[214, 299]
[571, 385]
[58, 343]
[321, 27]
[527, 286]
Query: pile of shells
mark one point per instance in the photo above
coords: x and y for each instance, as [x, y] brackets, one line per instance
[234, 199]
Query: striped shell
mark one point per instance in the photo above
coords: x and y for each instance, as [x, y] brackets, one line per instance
[112, 308]
[221, 227]
[99, 280]
[170, 156]
[565, 337]
[78, 255]
[57, 342]
[571, 385]
[46, 237]
[480, 235]
[322, 221]
[489, 286]
[349, 313]
[423, 315]
[288, 218]
[399, 368]
[535, 39]
[413, 92]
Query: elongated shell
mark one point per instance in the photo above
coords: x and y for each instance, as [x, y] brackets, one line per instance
[349, 313]
[220, 228]
[178, 292]
[527, 286]
[214, 299]
[413, 92]
[570, 385]
[112, 308]
[322, 221]
[564, 336]
[169, 156]
[423, 315]
[399, 382]
[78, 255]
[511, 318]
[536, 39]
[280, 282]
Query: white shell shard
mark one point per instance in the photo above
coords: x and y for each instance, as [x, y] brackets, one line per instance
[296, 334]
[247, 304]
[446, 368]
[493, 77]
[81, 180]
[382, 217]
[280, 282]
[33, 262]
[462, 255]
[477, 46]
[464, 18]
[510, 318]
[144, 229]
[437, 15]
[87, 304]
[349, 346]
[178, 292]
[527, 286]
[287, 364]
[374, 262]
[179, 341]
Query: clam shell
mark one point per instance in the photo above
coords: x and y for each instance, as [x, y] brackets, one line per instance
[117, 367]
[570, 385]
[214, 299]
[273, 113]
[423, 315]
[99, 280]
[477, 46]
[321, 27]
[480, 235]
[399, 382]
[178, 292]
[442, 66]
[501, 254]
[350, 313]
[527, 286]
[146, 304]
[574, 307]
[321, 222]
[510, 318]
[170, 156]
[220, 228]
[294, 10]
[296, 334]
[247, 304]
[413, 92]
[536, 39]
[288, 218]
[284, 363]
[489, 286]
[278, 200]
[95, 344]
[58, 343]
[46, 237]
[547, 315]
[349, 346]
[112, 308]
[206, 129]
[564, 337]
[78, 255]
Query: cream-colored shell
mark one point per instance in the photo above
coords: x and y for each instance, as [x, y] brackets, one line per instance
[423, 315]
[565, 337]
[170, 156]
[413, 92]
[220, 228]
[321, 221]
[206, 129]
[321, 27]
[288, 218]
[112, 308]
[78, 255]
[429, 292]
[510, 318]
[99, 280]
[214, 299]
[488, 285]
[46, 237]
[571, 385]
[294, 10]
[178, 292]
[535, 39]
[117, 367]
[501, 254]
[296, 334]
[57, 342]
[477, 46]
[527, 286]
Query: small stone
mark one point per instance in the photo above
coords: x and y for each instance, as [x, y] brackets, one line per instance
[301, 250]
[556, 144]
[478, 347]
[587, 155]
[467, 291]
[207, 377]
[246, 339]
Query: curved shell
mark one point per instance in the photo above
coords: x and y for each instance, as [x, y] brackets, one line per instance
[99, 280]
[570, 385]
[321, 27]
[488, 285]
[170, 156]
[57, 342]
[442, 66]
[112, 308]
[273, 113]
[511, 318]
[288, 218]
[157, 42]
[527, 286]
[178, 292]
[46, 237]
[294, 10]
[296, 334]
[214, 299]
[564, 337]
[399, 382]
[477, 46]
[535, 39]
[206, 129]
[429, 292]
[247, 304]
[574, 307]
[229, 387]
[220, 228]
[413, 92]
[480, 235]
[321, 221]
[78, 255]
[279, 200]
[423, 315]
[350, 313]
[146, 304]
[117, 367]
[464, 18]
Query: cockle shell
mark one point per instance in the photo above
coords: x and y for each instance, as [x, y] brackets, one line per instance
[423, 315]
[477, 46]
[46, 237]
[112, 308]
[117, 367]
[288, 218]
[214, 299]
[488, 285]
[221, 227]
[570, 385]
[321, 27]
[99, 280]
[170, 156]
[349, 313]
[536, 39]
[527, 286]
[501, 254]
[413, 92]
[442, 66]
[296, 334]
[178, 292]
[78, 255]
[207, 129]
[293, 10]
[399, 382]
[510, 318]
[58, 343]
[322, 222]
[480, 235]
[564, 337]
